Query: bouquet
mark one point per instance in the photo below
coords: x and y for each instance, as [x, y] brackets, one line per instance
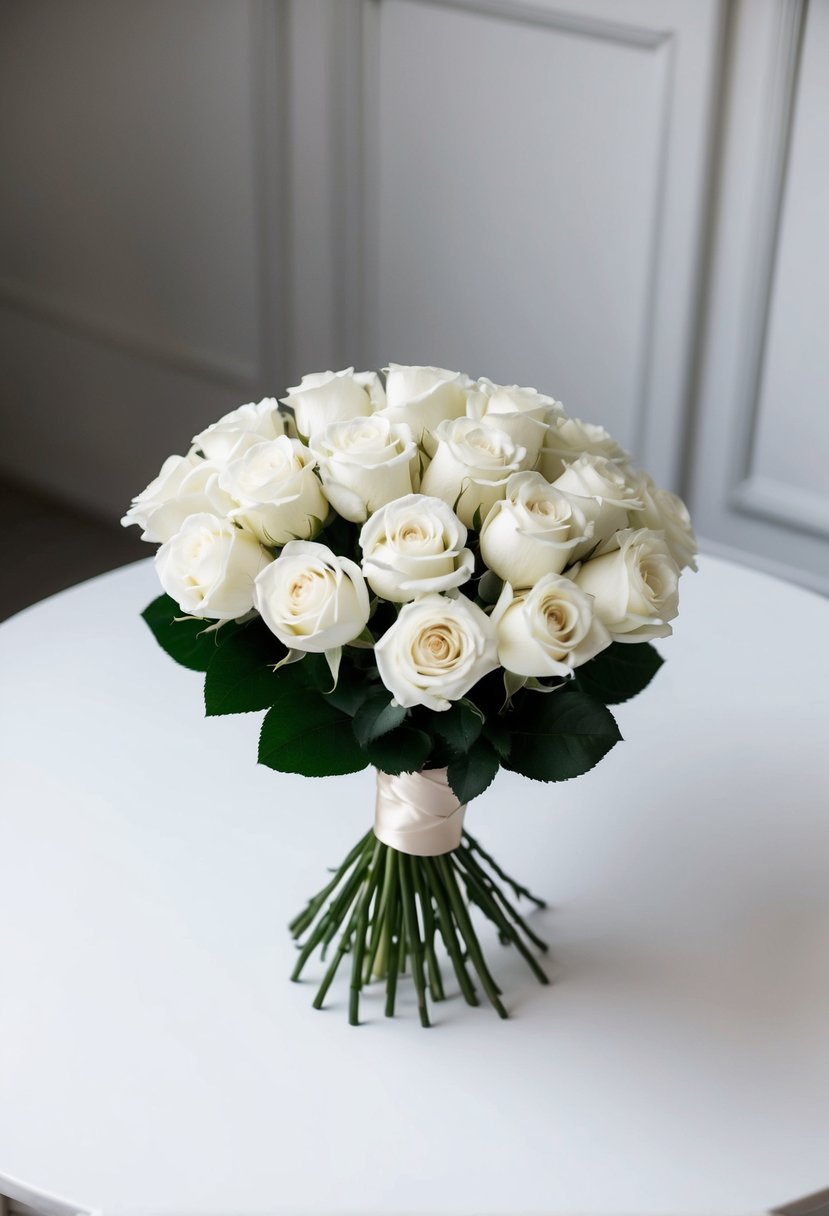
[429, 574]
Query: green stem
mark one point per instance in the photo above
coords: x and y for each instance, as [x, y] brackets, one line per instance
[468, 934]
[387, 907]
[344, 946]
[425, 901]
[393, 919]
[378, 945]
[516, 886]
[490, 909]
[466, 860]
[413, 935]
[301, 922]
[447, 931]
[377, 960]
[372, 879]
[331, 920]
[345, 899]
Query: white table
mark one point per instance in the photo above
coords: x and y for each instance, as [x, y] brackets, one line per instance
[155, 1059]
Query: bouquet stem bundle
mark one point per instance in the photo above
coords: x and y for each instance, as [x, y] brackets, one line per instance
[387, 909]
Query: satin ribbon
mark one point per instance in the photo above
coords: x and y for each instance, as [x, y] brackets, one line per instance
[417, 813]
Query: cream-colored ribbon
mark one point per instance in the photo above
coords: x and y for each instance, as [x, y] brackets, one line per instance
[418, 813]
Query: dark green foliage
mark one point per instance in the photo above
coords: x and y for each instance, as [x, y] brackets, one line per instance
[497, 732]
[317, 728]
[403, 750]
[241, 676]
[559, 735]
[619, 672]
[185, 639]
[350, 691]
[459, 726]
[376, 716]
[353, 685]
[471, 771]
[303, 733]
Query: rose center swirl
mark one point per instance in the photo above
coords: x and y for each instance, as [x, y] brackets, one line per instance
[436, 648]
[304, 588]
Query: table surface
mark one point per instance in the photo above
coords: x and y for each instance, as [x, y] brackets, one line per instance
[154, 1057]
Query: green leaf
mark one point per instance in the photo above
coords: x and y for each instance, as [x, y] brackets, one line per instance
[377, 716]
[470, 774]
[353, 685]
[316, 673]
[619, 672]
[240, 678]
[560, 736]
[185, 639]
[497, 733]
[403, 750]
[348, 696]
[303, 733]
[490, 587]
[460, 726]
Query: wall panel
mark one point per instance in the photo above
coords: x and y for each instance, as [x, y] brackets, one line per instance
[137, 278]
[760, 486]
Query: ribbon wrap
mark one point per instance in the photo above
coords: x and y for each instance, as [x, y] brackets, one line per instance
[417, 813]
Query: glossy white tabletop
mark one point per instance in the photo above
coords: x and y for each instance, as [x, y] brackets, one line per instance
[155, 1059]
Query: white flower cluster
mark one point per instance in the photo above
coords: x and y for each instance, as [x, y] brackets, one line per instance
[508, 533]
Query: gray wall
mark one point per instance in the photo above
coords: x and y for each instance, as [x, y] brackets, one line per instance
[621, 202]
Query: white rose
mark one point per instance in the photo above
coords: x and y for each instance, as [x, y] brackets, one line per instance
[550, 630]
[240, 429]
[664, 512]
[533, 531]
[472, 466]
[603, 490]
[186, 485]
[365, 463]
[413, 546]
[325, 397]
[635, 587]
[312, 599]
[209, 568]
[436, 650]
[423, 397]
[276, 493]
[569, 438]
[523, 413]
